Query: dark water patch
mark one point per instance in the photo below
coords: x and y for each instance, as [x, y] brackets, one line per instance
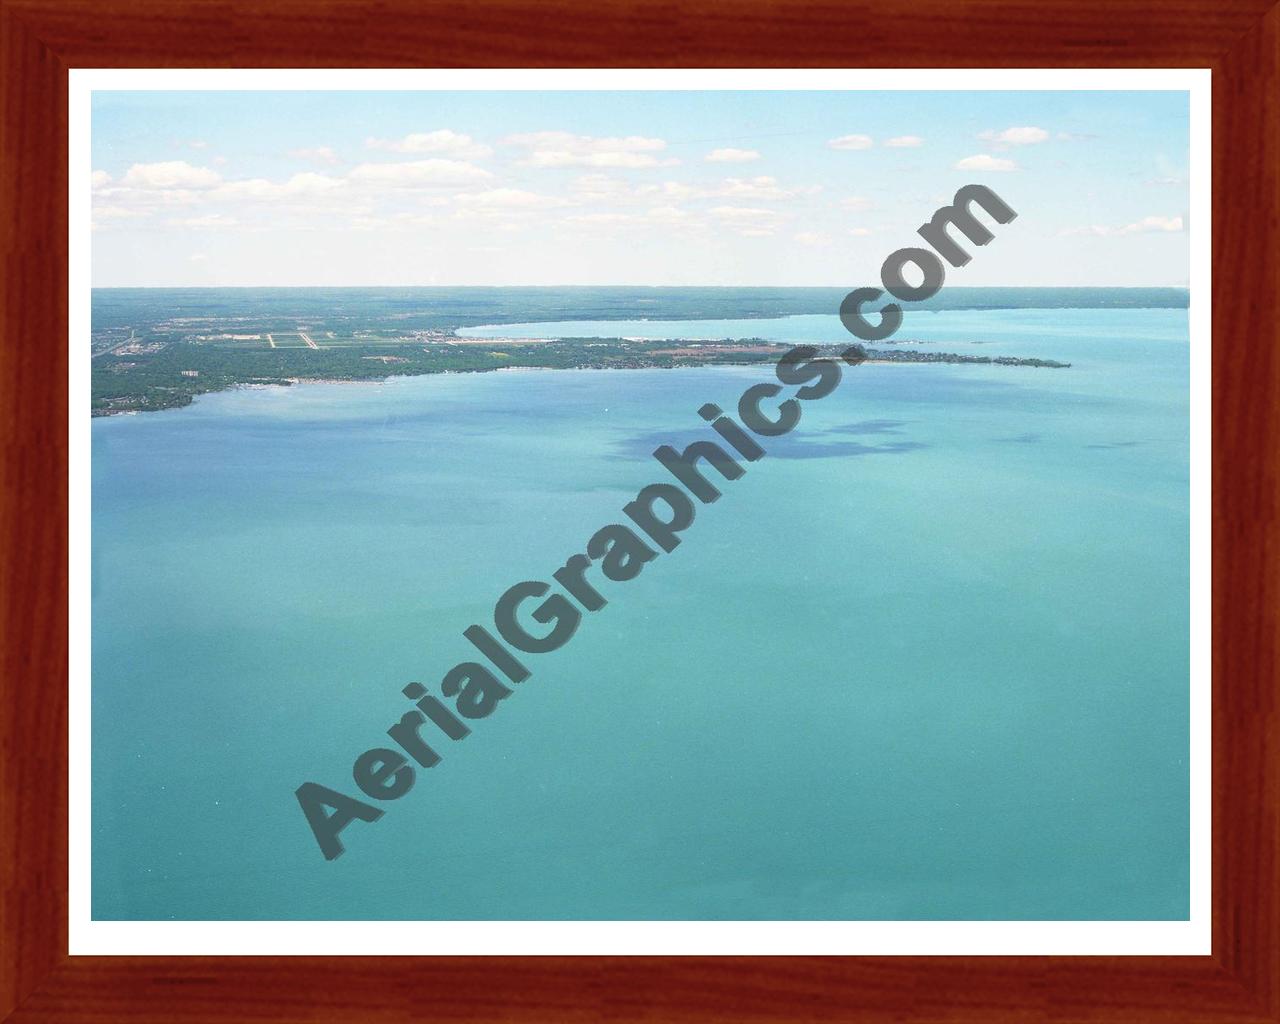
[641, 447]
[839, 449]
[869, 427]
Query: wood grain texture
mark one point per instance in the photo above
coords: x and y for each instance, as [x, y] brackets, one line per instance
[41, 39]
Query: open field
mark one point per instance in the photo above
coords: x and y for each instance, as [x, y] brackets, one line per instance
[287, 339]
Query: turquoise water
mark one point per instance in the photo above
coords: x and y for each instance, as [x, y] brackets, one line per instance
[926, 660]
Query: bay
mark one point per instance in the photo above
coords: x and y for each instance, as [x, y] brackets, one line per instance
[926, 660]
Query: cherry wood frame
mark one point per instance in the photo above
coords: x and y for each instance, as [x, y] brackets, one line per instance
[41, 39]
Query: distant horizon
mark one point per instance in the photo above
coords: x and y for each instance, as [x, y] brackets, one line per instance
[668, 287]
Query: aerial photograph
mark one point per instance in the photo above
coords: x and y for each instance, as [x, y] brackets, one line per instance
[503, 511]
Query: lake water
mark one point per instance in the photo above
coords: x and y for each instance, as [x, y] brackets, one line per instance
[928, 659]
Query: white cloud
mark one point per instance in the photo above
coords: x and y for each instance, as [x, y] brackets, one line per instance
[859, 232]
[1153, 224]
[443, 141]
[851, 142]
[563, 149]
[855, 203]
[603, 218]
[247, 188]
[673, 190]
[983, 162]
[739, 212]
[307, 185]
[1148, 225]
[731, 156]
[656, 216]
[101, 212]
[209, 220]
[170, 174]
[100, 179]
[669, 216]
[600, 188]
[318, 154]
[905, 142]
[608, 158]
[747, 220]
[419, 174]
[311, 184]
[809, 238]
[147, 199]
[106, 215]
[584, 143]
[413, 220]
[762, 187]
[1024, 136]
[506, 199]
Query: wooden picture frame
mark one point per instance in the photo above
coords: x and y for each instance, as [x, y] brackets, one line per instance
[42, 39]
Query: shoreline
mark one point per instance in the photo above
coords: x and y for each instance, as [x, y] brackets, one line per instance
[289, 382]
[788, 316]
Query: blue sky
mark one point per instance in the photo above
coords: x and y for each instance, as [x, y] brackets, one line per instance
[648, 188]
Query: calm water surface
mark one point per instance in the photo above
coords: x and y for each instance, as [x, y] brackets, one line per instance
[926, 660]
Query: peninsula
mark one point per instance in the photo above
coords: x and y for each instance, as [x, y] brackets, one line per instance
[157, 349]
